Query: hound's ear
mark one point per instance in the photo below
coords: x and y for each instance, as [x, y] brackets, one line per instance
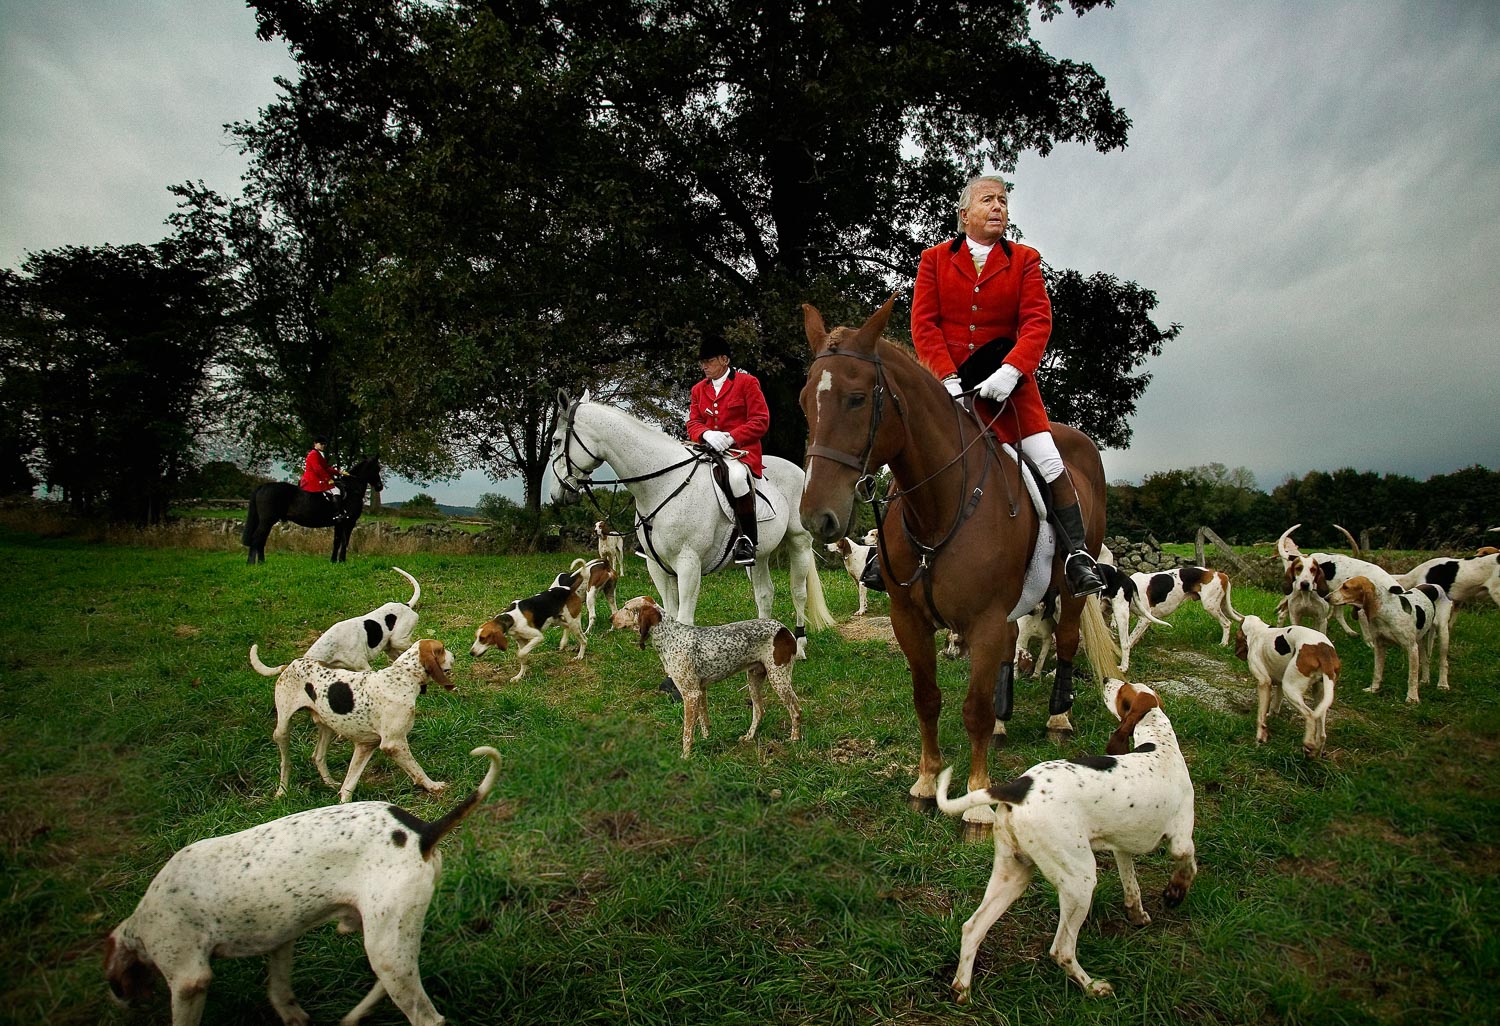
[1139, 703]
[870, 332]
[431, 653]
[812, 324]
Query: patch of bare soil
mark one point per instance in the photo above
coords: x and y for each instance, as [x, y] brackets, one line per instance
[1213, 682]
[869, 628]
[852, 750]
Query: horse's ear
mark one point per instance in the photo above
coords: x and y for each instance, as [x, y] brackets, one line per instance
[585, 397]
[812, 323]
[562, 399]
[871, 330]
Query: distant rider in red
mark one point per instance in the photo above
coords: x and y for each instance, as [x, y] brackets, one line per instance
[318, 475]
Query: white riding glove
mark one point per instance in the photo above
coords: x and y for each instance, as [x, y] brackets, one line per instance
[954, 386]
[999, 385]
[718, 440]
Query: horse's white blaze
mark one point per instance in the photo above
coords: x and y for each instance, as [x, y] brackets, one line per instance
[825, 384]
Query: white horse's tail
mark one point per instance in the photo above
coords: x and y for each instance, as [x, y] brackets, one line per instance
[817, 614]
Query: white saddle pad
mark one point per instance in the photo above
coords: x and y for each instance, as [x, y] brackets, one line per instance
[1039, 570]
[768, 499]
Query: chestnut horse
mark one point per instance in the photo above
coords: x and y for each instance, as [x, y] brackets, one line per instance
[958, 532]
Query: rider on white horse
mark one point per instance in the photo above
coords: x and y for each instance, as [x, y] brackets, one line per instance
[729, 415]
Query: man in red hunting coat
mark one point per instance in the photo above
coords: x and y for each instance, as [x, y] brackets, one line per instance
[318, 475]
[728, 415]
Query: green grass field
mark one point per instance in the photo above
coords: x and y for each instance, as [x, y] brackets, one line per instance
[607, 880]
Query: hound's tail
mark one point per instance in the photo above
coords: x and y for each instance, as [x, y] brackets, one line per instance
[416, 592]
[432, 833]
[1001, 794]
[1238, 616]
[260, 667]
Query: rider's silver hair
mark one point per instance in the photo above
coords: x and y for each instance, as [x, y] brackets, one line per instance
[967, 194]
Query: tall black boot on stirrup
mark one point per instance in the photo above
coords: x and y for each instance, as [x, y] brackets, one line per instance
[744, 519]
[1078, 566]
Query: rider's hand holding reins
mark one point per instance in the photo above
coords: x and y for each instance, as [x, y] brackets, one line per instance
[718, 440]
[999, 385]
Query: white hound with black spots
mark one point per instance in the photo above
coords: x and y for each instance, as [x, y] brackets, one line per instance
[375, 709]
[1057, 814]
[1463, 579]
[1288, 661]
[528, 617]
[1337, 567]
[695, 657]
[368, 866]
[1408, 620]
[351, 644]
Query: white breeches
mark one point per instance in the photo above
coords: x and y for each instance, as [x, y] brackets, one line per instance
[739, 476]
[1043, 452]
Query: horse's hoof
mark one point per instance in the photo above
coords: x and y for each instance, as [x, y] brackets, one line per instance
[916, 804]
[998, 741]
[670, 687]
[974, 832]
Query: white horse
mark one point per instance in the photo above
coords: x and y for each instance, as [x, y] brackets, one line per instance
[680, 516]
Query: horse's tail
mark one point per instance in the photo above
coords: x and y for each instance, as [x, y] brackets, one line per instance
[817, 614]
[1104, 655]
[252, 520]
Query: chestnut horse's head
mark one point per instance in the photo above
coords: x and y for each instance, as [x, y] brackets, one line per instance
[851, 419]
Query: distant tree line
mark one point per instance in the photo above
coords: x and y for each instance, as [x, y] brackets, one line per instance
[1447, 511]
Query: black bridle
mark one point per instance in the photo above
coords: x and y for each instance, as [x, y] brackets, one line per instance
[864, 487]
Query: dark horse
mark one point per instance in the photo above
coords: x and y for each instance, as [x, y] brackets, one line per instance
[281, 501]
[957, 536]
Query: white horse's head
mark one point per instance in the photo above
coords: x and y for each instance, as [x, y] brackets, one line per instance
[572, 459]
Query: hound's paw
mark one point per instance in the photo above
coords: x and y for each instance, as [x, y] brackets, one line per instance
[437, 787]
[960, 993]
[1101, 988]
[1138, 916]
[1372, 689]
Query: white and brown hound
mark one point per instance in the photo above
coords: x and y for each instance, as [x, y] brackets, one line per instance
[375, 709]
[599, 577]
[1463, 579]
[1336, 567]
[611, 546]
[368, 866]
[527, 618]
[351, 644]
[1057, 814]
[1288, 661]
[1306, 594]
[1409, 620]
[855, 557]
[695, 657]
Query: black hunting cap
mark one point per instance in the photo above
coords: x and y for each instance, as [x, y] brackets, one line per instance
[713, 344]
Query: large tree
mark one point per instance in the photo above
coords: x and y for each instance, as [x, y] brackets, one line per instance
[539, 192]
[107, 353]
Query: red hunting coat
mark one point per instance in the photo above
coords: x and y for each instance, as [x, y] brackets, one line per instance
[739, 408]
[318, 474]
[955, 310]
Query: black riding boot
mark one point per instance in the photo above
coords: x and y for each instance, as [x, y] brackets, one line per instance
[1078, 566]
[744, 520]
[1005, 682]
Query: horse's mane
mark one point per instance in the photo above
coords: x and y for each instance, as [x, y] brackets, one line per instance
[888, 350]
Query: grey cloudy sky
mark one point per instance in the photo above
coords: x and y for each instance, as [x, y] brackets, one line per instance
[1311, 188]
